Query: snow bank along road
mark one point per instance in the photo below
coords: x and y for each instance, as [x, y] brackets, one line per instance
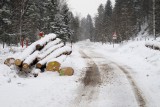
[106, 84]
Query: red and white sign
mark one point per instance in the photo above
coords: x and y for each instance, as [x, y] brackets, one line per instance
[114, 36]
[41, 34]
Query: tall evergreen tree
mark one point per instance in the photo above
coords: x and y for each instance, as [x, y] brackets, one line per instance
[5, 21]
[108, 28]
[75, 27]
[89, 28]
[157, 17]
[125, 19]
[60, 24]
[83, 29]
[99, 36]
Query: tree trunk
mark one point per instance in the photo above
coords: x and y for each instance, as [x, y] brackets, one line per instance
[3, 44]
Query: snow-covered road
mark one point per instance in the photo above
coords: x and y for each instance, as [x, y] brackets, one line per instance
[124, 76]
[107, 84]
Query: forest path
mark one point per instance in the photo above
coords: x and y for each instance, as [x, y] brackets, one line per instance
[105, 83]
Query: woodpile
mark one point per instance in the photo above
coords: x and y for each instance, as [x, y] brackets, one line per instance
[55, 63]
[47, 53]
[66, 71]
[53, 66]
[9, 61]
[153, 45]
[58, 52]
[30, 60]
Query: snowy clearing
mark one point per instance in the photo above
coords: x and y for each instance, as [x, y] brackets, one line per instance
[127, 75]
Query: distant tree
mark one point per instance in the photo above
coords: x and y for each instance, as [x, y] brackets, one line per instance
[75, 27]
[108, 27]
[157, 17]
[89, 28]
[99, 35]
[138, 12]
[125, 19]
[5, 21]
[60, 24]
[83, 29]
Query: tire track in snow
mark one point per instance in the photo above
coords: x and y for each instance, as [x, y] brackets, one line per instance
[141, 100]
[92, 75]
[138, 94]
[98, 74]
[89, 89]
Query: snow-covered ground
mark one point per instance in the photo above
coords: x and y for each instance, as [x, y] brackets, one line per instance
[51, 90]
[47, 90]
[143, 64]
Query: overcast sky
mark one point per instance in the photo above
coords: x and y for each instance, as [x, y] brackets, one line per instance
[83, 7]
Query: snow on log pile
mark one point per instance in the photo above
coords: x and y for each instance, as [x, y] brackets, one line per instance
[45, 40]
[28, 51]
[54, 64]
[153, 45]
[58, 52]
[48, 52]
[30, 59]
[34, 46]
[50, 44]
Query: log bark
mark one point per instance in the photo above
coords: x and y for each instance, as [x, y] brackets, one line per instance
[50, 44]
[45, 40]
[39, 47]
[53, 66]
[29, 60]
[18, 62]
[28, 51]
[9, 61]
[66, 71]
[39, 65]
[25, 65]
[49, 51]
[55, 54]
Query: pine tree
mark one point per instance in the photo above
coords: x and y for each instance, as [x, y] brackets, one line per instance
[32, 20]
[157, 17]
[25, 18]
[138, 12]
[60, 24]
[75, 27]
[66, 19]
[147, 14]
[108, 28]
[125, 19]
[86, 28]
[83, 29]
[89, 28]
[99, 36]
[5, 21]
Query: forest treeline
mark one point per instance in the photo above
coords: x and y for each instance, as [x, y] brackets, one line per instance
[26, 18]
[127, 18]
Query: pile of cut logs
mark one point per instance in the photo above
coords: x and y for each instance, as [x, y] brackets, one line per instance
[153, 45]
[47, 53]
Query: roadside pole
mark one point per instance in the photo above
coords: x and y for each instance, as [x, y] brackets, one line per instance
[114, 37]
[113, 43]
